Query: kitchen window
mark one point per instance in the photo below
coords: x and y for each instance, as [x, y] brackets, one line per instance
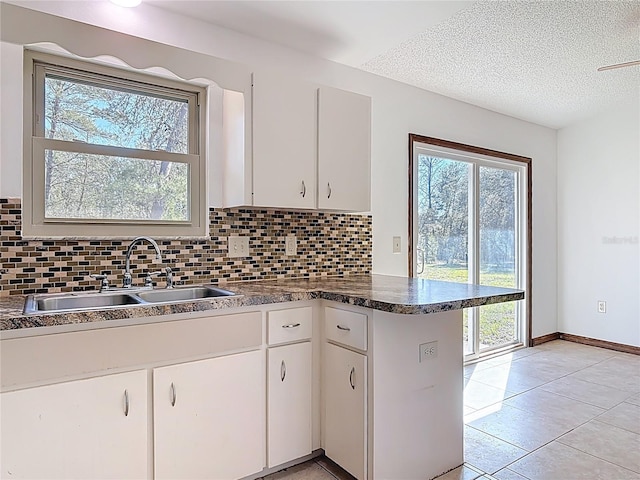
[111, 153]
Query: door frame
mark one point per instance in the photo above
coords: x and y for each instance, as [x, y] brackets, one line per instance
[431, 141]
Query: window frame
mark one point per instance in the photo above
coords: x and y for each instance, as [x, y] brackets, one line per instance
[478, 156]
[35, 225]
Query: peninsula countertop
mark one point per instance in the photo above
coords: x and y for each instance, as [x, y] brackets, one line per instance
[400, 295]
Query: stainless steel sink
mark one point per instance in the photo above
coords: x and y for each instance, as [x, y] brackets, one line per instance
[75, 301]
[65, 302]
[181, 294]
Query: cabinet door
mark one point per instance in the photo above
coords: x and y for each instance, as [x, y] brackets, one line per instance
[86, 429]
[289, 403]
[344, 150]
[209, 418]
[284, 142]
[345, 379]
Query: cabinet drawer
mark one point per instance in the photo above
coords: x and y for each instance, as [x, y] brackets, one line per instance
[345, 327]
[289, 325]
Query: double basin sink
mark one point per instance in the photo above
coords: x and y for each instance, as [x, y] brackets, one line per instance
[76, 301]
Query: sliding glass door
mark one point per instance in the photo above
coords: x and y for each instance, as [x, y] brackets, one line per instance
[469, 225]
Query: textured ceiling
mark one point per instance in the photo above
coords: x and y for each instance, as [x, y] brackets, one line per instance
[532, 60]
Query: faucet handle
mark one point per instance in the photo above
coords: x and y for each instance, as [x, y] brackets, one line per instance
[169, 274]
[104, 281]
[148, 280]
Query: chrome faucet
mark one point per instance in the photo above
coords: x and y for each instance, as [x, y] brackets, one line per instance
[127, 267]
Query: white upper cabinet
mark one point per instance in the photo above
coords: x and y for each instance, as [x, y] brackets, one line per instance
[310, 147]
[344, 150]
[284, 142]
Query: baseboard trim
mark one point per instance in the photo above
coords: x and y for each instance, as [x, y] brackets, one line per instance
[619, 347]
[594, 342]
[544, 339]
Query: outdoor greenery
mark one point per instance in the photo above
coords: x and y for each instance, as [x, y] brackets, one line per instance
[443, 234]
[82, 185]
[496, 321]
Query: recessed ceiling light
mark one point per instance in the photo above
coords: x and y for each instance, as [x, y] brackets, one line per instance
[126, 3]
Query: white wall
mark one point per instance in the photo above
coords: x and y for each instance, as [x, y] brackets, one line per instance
[397, 110]
[598, 226]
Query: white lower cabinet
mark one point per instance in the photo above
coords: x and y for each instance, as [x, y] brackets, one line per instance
[84, 429]
[345, 396]
[209, 420]
[289, 403]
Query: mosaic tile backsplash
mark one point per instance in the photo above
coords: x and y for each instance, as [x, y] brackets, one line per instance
[329, 244]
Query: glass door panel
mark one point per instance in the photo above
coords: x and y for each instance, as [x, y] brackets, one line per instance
[497, 194]
[467, 230]
[443, 226]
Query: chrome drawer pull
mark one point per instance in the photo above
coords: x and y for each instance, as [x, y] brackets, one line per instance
[303, 191]
[352, 375]
[346, 329]
[291, 325]
[126, 403]
[173, 395]
[283, 371]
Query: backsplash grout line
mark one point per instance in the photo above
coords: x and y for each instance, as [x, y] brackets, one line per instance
[328, 244]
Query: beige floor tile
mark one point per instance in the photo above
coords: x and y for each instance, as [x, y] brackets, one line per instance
[625, 415]
[616, 372]
[566, 411]
[527, 430]
[463, 472]
[556, 461]
[304, 471]
[488, 453]
[478, 395]
[634, 399]
[609, 443]
[507, 358]
[576, 358]
[506, 474]
[595, 394]
[545, 367]
[506, 378]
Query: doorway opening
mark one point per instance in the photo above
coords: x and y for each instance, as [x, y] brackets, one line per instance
[470, 222]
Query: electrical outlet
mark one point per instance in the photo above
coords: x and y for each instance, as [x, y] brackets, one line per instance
[428, 351]
[290, 245]
[602, 306]
[238, 246]
[397, 248]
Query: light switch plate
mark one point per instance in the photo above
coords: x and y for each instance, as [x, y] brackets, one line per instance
[290, 245]
[238, 246]
[397, 247]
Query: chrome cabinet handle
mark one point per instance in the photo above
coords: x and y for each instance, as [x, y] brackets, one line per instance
[126, 403]
[340, 327]
[303, 192]
[352, 376]
[291, 325]
[173, 395]
[329, 190]
[283, 371]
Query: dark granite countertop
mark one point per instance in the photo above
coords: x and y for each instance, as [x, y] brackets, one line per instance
[380, 292]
